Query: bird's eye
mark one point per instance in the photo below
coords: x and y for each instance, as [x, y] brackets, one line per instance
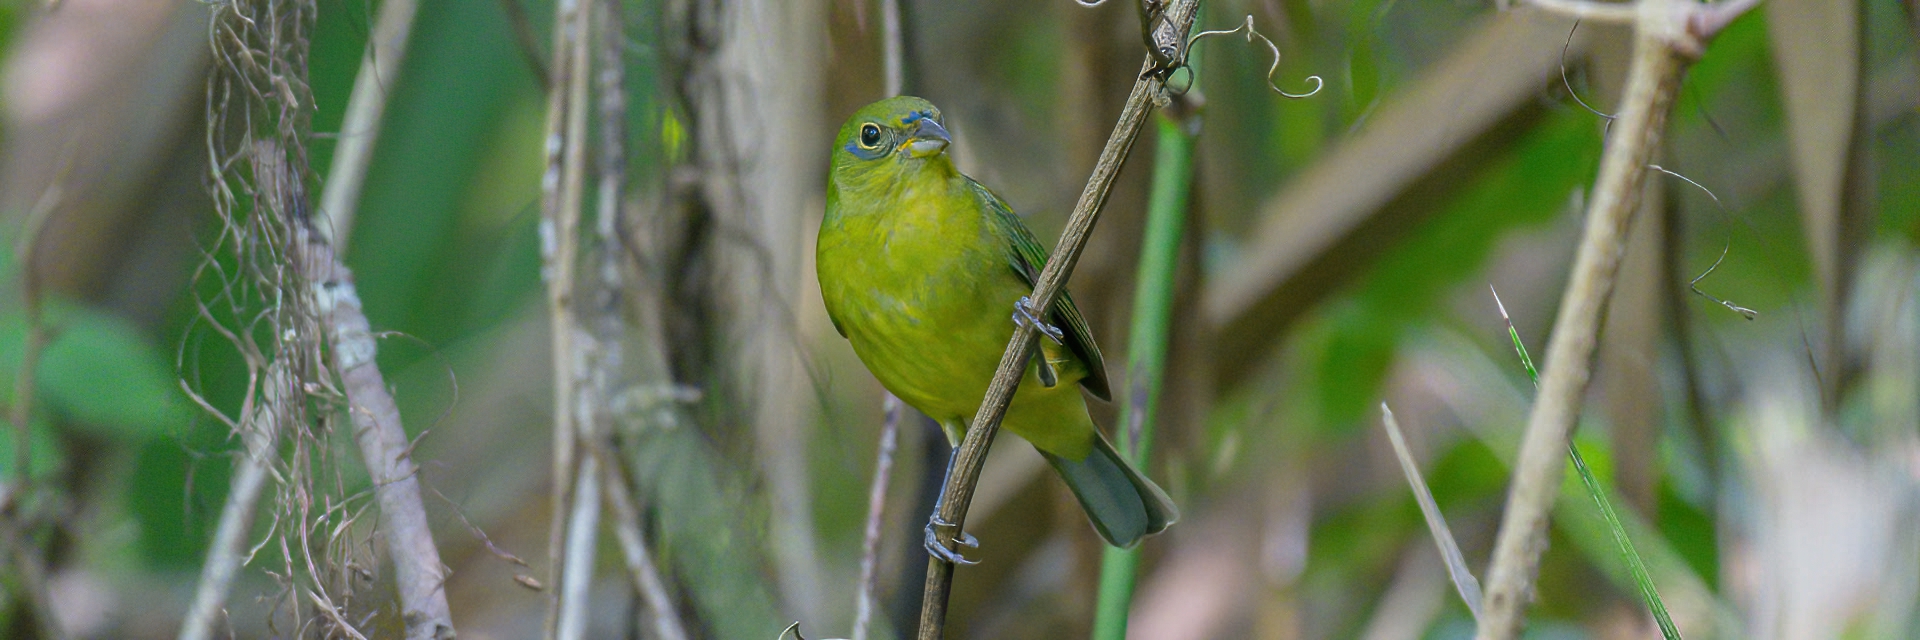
[869, 136]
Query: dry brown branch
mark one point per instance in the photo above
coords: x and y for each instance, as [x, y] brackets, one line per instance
[384, 447]
[366, 108]
[964, 475]
[1667, 38]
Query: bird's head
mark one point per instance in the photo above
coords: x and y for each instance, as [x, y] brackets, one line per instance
[894, 132]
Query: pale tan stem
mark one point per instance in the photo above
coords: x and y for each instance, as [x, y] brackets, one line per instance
[1658, 64]
[633, 547]
[562, 184]
[228, 552]
[1607, 12]
[366, 109]
[384, 446]
[876, 516]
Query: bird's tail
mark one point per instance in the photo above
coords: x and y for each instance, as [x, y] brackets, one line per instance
[1122, 503]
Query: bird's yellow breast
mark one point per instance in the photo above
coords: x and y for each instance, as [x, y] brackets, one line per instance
[921, 285]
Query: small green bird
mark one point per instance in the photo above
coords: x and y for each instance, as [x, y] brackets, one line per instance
[920, 266]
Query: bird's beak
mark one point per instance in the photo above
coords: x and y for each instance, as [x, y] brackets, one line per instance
[929, 139]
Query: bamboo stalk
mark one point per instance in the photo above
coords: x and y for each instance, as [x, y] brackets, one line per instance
[965, 474]
[1147, 345]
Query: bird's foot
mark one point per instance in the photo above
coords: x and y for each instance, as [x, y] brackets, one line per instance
[1025, 315]
[938, 550]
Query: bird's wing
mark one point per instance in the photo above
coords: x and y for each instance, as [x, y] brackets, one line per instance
[1027, 258]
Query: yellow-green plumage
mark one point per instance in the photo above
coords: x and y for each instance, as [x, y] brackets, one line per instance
[921, 268]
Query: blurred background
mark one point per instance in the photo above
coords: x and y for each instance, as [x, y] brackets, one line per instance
[1339, 253]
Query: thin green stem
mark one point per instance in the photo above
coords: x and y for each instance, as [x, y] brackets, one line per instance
[1147, 346]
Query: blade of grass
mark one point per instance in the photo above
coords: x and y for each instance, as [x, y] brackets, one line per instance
[1463, 580]
[1634, 564]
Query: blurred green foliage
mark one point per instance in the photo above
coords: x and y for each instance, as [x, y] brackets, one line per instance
[446, 256]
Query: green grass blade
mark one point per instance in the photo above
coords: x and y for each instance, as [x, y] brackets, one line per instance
[1635, 565]
[1147, 348]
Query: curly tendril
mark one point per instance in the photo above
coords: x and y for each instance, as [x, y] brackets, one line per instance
[1271, 69]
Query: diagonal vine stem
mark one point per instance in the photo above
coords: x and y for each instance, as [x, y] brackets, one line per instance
[957, 494]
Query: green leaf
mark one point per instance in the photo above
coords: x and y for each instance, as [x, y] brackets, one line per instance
[45, 449]
[103, 374]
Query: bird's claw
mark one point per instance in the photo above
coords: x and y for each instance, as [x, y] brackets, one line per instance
[1026, 316]
[961, 539]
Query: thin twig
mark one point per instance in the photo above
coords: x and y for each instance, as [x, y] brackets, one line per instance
[525, 41]
[366, 108]
[340, 623]
[957, 495]
[20, 508]
[633, 546]
[560, 216]
[225, 557]
[876, 514]
[583, 525]
[21, 412]
[1665, 40]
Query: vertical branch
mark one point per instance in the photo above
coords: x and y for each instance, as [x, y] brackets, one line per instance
[366, 108]
[957, 495]
[583, 527]
[758, 173]
[261, 432]
[606, 360]
[561, 185]
[893, 59]
[18, 503]
[1668, 34]
[876, 514]
[633, 547]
